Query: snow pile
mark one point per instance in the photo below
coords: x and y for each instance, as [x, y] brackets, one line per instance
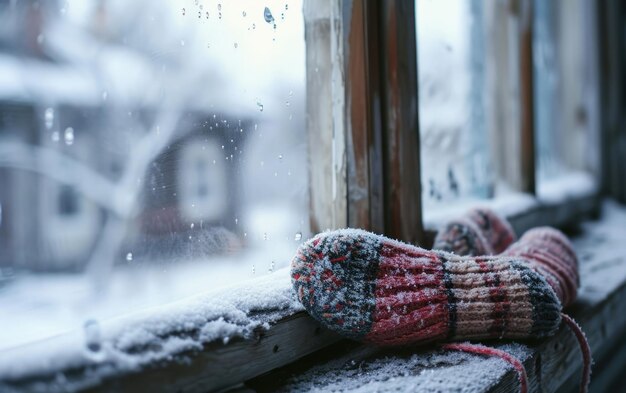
[434, 371]
[566, 186]
[129, 342]
[507, 205]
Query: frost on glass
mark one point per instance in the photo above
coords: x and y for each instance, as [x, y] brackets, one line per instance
[454, 147]
[564, 91]
[149, 150]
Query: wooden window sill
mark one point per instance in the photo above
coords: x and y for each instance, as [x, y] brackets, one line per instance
[277, 338]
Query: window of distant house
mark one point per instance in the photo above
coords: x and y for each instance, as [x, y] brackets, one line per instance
[68, 201]
[154, 149]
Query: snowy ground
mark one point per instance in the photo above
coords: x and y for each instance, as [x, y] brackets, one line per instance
[35, 307]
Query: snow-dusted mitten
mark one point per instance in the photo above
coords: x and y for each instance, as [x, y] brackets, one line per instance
[546, 250]
[374, 289]
[483, 232]
[479, 232]
[552, 254]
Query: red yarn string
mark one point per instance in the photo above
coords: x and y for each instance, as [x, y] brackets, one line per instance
[584, 348]
[488, 351]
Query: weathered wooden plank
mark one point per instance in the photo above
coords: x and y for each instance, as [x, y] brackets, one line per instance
[217, 366]
[527, 112]
[325, 120]
[611, 19]
[403, 212]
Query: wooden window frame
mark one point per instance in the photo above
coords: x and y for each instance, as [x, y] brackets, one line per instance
[362, 117]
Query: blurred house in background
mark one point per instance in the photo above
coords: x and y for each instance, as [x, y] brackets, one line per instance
[86, 102]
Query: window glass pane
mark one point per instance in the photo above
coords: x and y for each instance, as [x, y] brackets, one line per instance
[149, 150]
[455, 149]
[565, 90]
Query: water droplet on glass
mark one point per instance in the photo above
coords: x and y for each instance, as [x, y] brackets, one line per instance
[207, 14]
[236, 45]
[280, 156]
[93, 340]
[264, 235]
[253, 270]
[219, 7]
[244, 14]
[290, 93]
[55, 136]
[182, 42]
[267, 14]
[298, 236]
[271, 269]
[253, 26]
[129, 256]
[282, 16]
[219, 15]
[40, 39]
[286, 6]
[260, 106]
[69, 136]
[287, 103]
[49, 117]
[183, 12]
[199, 14]
[105, 95]
[236, 221]
[192, 225]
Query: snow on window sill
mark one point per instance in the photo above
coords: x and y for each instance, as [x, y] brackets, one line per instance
[128, 343]
[573, 185]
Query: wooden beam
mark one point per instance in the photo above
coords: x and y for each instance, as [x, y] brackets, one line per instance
[325, 120]
[611, 41]
[527, 112]
[403, 208]
[363, 117]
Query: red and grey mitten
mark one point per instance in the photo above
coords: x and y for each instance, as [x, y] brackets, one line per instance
[483, 232]
[381, 291]
[374, 289]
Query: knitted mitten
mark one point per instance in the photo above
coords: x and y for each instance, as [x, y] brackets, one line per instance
[479, 232]
[552, 255]
[374, 289]
[483, 232]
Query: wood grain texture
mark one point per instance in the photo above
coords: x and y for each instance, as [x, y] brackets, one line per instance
[325, 120]
[527, 112]
[403, 212]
